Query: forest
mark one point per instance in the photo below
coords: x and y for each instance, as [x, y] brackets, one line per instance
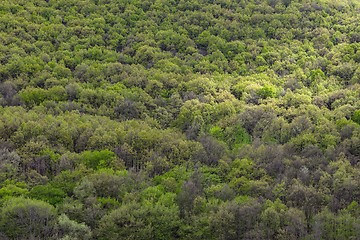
[179, 119]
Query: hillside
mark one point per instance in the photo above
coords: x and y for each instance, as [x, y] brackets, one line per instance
[179, 119]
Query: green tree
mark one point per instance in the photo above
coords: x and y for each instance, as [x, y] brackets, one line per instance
[47, 193]
[70, 229]
[23, 218]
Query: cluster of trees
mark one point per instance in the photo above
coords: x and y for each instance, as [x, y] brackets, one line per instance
[179, 119]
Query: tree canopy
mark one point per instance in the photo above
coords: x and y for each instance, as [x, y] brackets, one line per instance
[179, 119]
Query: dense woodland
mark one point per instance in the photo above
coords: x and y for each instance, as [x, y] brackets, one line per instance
[179, 119]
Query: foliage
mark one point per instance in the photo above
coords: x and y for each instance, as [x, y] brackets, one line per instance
[179, 119]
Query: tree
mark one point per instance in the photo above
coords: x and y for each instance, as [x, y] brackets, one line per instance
[33, 96]
[98, 159]
[234, 219]
[70, 229]
[190, 190]
[307, 199]
[214, 150]
[157, 220]
[23, 218]
[47, 193]
[9, 165]
[356, 116]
